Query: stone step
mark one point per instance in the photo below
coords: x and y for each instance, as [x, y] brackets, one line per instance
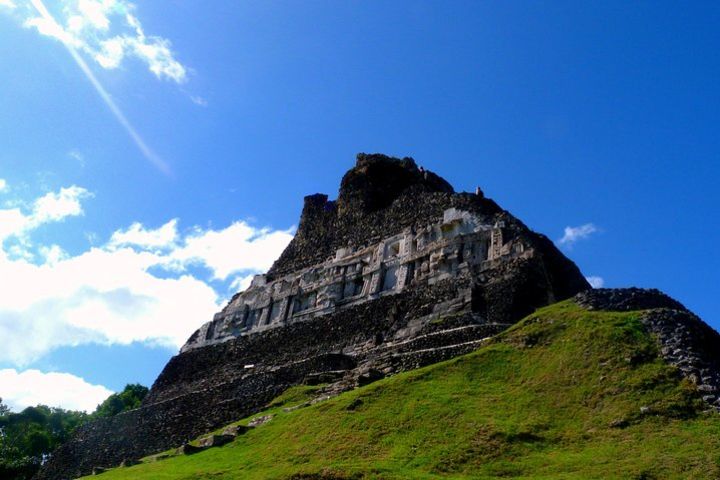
[317, 378]
[443, 338]
[395, 362]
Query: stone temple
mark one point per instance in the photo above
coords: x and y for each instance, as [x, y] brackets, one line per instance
[455, 246]
[399, 272]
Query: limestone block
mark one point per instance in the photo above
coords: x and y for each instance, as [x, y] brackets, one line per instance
[216, 440]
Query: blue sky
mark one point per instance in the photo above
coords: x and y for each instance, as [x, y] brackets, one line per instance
[155, 154]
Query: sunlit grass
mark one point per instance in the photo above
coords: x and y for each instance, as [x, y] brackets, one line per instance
[558, 396]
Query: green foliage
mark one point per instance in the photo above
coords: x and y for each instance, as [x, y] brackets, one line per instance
[131, 397]
[28, 437]
[558, 396]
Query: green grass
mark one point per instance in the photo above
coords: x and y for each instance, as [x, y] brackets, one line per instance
[557, 396]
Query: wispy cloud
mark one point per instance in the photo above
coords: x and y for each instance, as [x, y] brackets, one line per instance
[108, 31]
[8, 4]
[595, 281]
[77, 156]
[151, 156]
[3, 184]
[199, 101]
[574, 234]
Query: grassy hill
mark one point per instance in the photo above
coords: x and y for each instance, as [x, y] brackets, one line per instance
[565, 394]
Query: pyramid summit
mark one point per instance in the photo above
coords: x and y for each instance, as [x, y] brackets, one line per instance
[400, 271]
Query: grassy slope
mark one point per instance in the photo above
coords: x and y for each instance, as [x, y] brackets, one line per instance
[536, 403]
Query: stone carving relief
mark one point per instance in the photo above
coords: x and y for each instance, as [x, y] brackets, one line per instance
[453, 246]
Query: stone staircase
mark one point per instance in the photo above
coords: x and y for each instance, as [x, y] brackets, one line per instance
[393, 357]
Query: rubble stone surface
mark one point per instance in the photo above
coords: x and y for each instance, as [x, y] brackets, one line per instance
[626, 299]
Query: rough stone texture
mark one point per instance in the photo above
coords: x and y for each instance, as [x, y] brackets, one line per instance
[457, 246]
[216, 440]
[626, 299]
[685, 340]
[692, 346]
[232, 368]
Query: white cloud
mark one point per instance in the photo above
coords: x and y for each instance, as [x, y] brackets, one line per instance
[157, 53]
[137, 287]
[48, 26]
[55, 206]
[100, 296]
[137, 235]
[93, 13]
[33, 387]
[197, 100]
[3, 184]
[52, 254]
[573, 234]
[52, 207]
[77, 156]
[595, 281]
[108, 31]
[237, 248]
[12, 222]
[8, 3]
[111, 53]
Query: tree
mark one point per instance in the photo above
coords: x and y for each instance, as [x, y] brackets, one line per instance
[131, 397]
[27, 438]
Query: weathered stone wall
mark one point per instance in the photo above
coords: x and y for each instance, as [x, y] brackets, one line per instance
[458, 244]
[692, 346]
[170, 423]
[347, 331]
